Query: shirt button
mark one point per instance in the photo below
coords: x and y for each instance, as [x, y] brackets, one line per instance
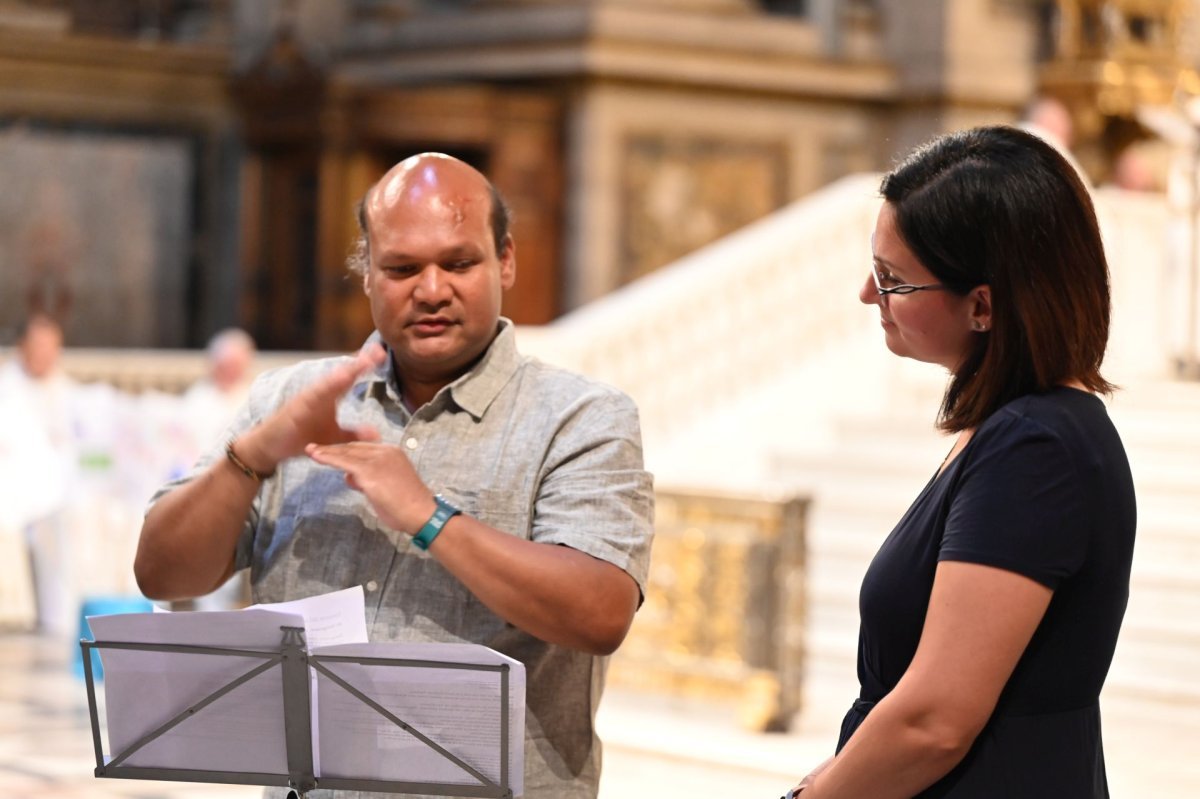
[411, 443]
[371, 586]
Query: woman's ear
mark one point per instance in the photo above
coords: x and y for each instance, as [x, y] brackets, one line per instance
[981, 308]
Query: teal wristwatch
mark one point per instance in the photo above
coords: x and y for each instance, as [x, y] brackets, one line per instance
[429, 531]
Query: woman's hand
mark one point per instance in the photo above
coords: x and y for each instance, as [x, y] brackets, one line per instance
[809, 779]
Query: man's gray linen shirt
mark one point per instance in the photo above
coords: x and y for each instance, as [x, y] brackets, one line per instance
[532, 450]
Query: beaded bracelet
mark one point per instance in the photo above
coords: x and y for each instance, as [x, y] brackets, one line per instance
[238, 462]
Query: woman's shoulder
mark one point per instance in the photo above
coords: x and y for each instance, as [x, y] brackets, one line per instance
[1061, 423]
[1063, 408]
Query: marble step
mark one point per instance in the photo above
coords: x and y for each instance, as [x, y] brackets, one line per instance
[1167, 546]
[861, 488]
[1164, 585]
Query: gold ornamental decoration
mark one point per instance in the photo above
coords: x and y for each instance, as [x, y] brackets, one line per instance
[723, 617]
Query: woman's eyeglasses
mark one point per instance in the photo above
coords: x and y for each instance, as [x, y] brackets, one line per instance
[900, 288]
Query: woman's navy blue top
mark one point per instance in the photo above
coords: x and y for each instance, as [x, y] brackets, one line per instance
[1042, 489]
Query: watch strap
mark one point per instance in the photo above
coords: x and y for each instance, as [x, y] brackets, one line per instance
[429, 531]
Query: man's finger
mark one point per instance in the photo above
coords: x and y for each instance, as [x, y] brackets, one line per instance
[334, 455]
[343, 377]
[346, 455]
[374, 354]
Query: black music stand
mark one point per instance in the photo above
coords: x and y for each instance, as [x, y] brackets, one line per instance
[295, 662]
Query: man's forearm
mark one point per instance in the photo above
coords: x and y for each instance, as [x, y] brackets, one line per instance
[555, 593]
[189, 537]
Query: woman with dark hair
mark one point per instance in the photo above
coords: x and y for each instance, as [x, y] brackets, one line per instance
[990, 614]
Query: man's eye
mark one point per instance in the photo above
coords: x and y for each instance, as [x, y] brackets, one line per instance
[400, 270]
[460, 265]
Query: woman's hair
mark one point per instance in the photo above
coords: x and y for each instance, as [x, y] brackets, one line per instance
[998, 206]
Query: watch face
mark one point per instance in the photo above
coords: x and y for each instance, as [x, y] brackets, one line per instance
[442, 514]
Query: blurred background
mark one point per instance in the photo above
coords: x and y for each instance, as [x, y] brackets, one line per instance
[694, 183]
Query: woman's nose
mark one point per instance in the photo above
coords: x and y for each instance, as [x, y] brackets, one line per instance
[868, 294]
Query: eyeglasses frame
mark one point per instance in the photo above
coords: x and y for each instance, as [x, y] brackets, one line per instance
[904, 288]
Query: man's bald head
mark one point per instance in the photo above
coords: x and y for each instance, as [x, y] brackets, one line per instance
[426, 174]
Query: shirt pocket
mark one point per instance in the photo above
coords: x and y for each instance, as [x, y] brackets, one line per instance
[509, 511]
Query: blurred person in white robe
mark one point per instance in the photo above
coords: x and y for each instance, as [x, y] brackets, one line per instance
[24, 451]
[37, 465]
[212, 401]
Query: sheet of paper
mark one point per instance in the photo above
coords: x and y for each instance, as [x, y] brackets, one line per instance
[338, 617]
[241, 731]
[457, 708]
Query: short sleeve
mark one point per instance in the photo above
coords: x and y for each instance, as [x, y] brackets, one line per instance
[1019, 504]
[595, 495]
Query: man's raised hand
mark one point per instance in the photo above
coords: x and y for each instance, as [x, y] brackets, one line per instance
[385, 476]
[310, 417]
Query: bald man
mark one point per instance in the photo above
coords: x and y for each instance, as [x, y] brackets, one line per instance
[477, 495]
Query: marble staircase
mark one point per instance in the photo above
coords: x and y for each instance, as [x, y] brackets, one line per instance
[863, 483]
[1158, 657]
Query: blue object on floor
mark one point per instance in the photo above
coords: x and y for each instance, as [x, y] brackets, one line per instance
[103, 606]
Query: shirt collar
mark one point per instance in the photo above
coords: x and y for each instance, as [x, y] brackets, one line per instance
[473, 391]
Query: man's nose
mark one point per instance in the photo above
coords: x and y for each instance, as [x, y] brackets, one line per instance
[431, 285]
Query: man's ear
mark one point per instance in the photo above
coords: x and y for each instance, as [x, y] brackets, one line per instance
[366, 282]
[981, 308]
[508, 263]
